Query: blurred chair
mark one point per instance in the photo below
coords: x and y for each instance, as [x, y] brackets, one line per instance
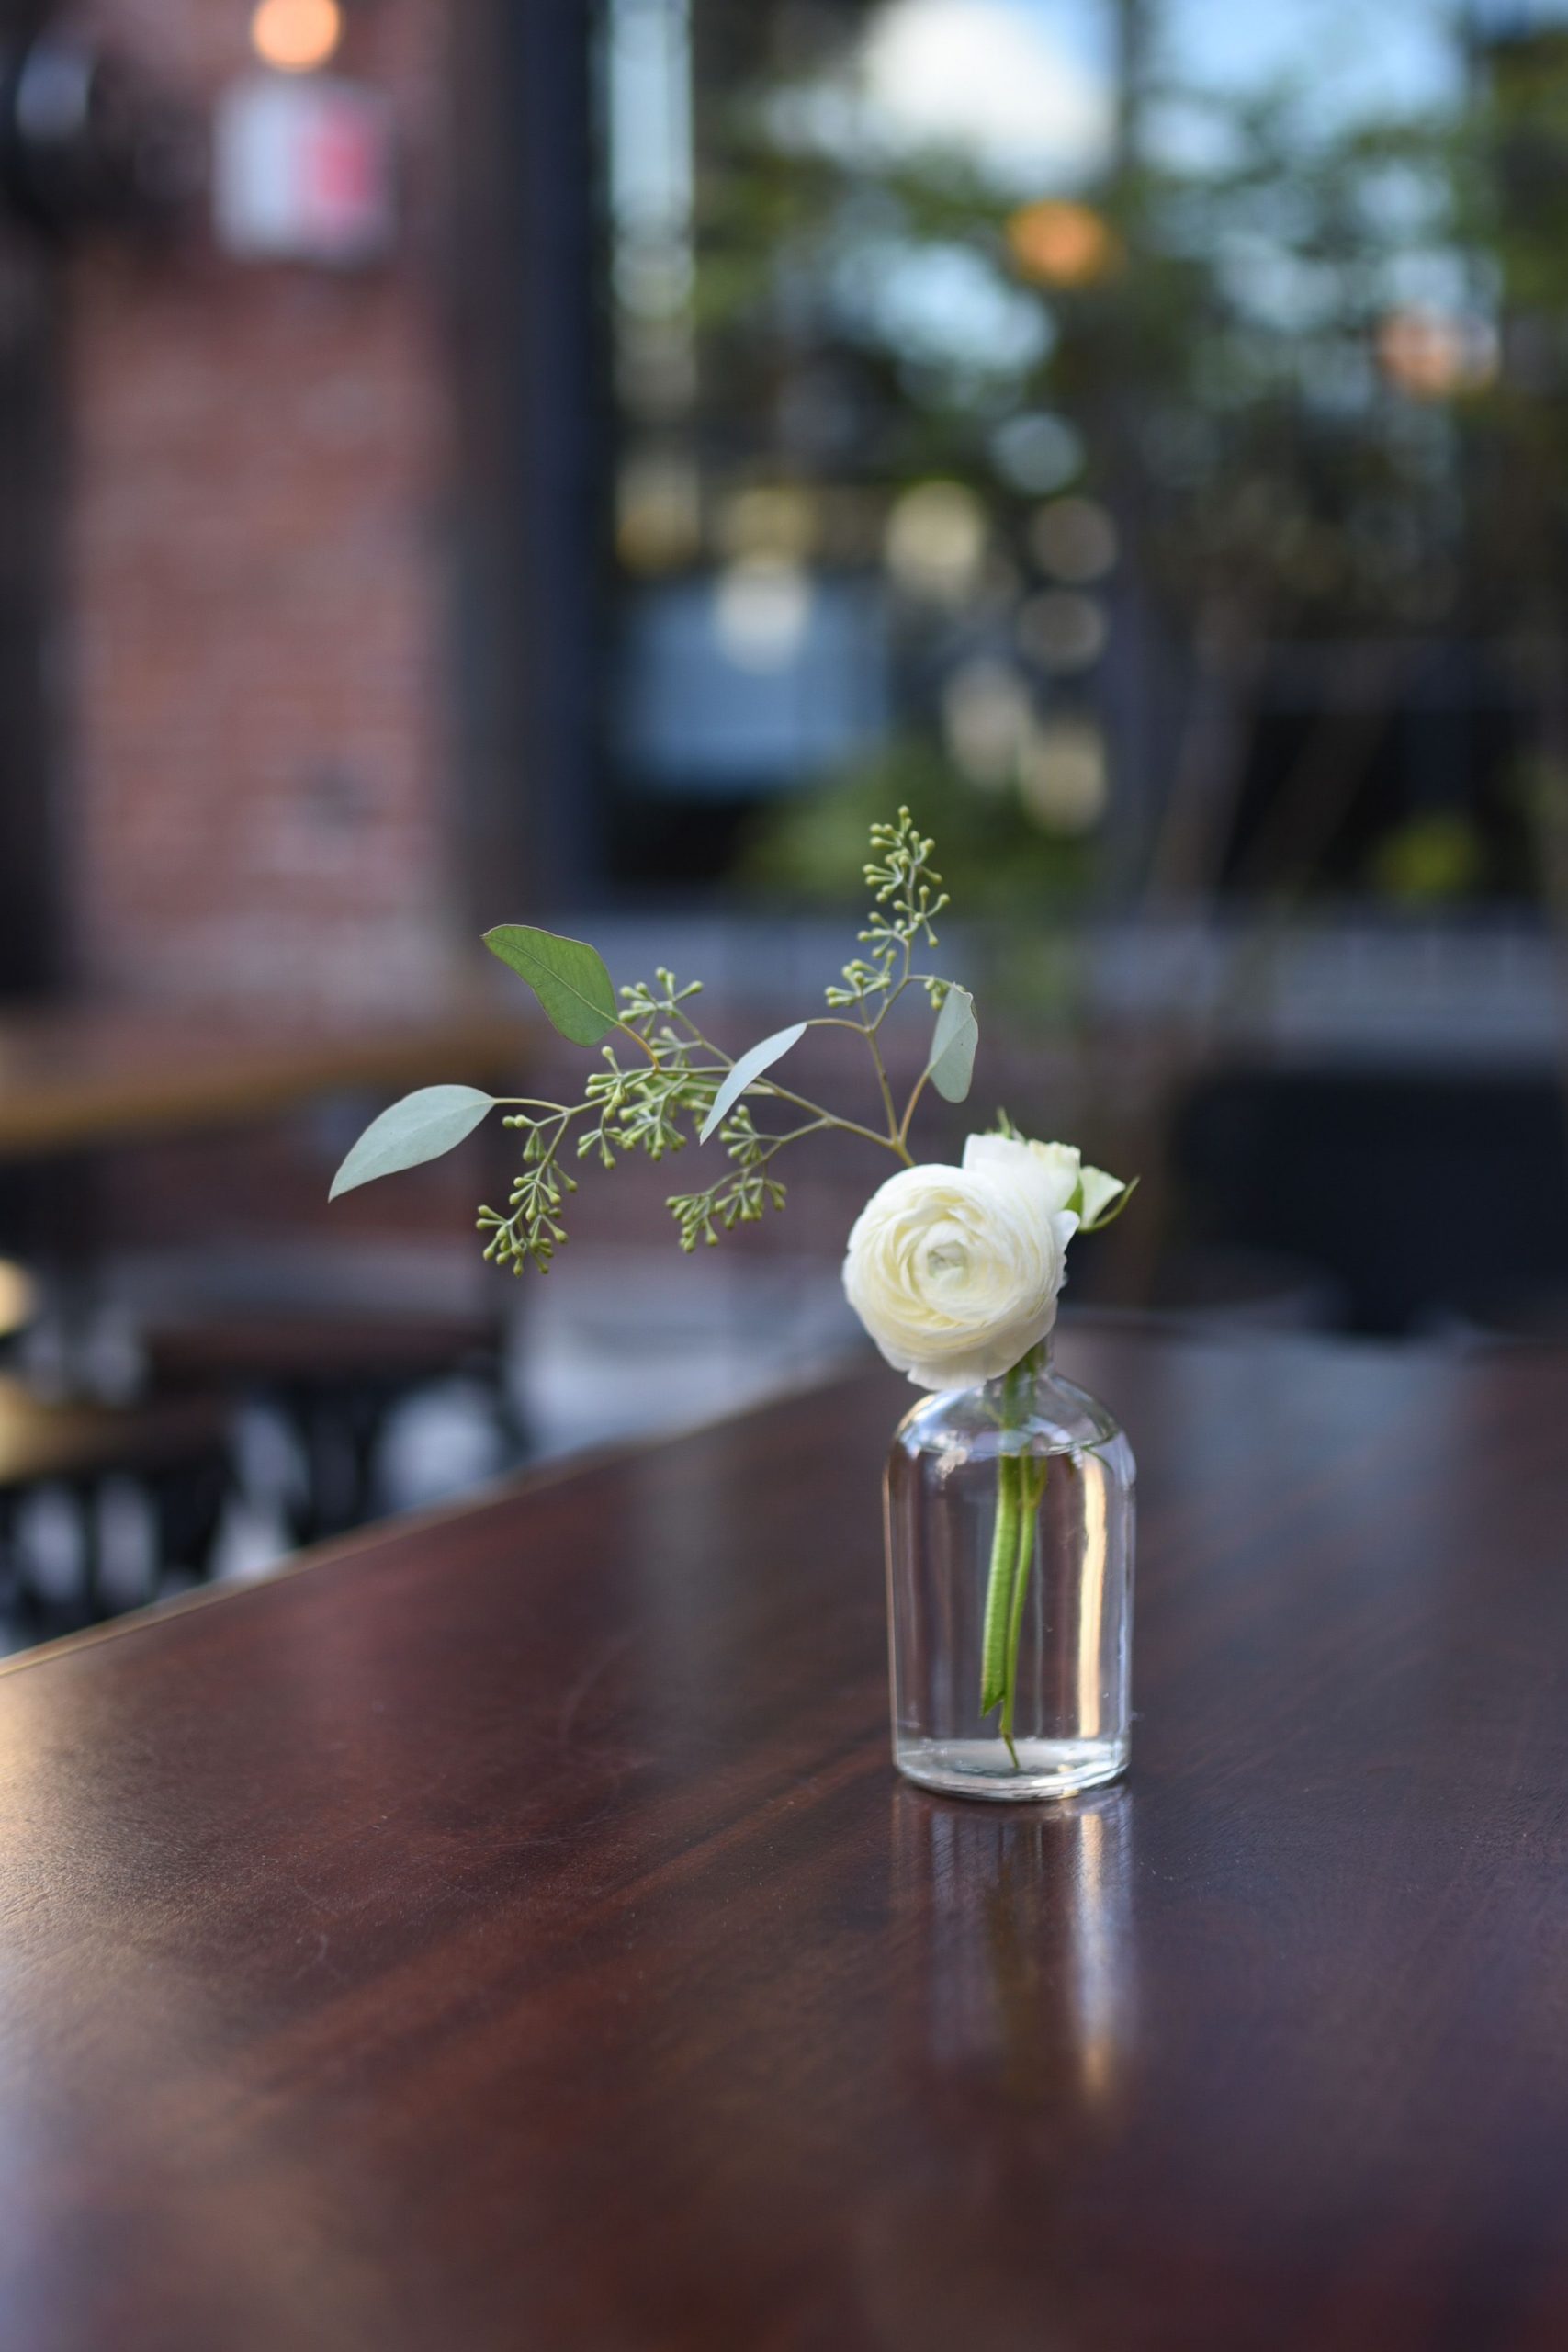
[173, 1454]
[336, 1376]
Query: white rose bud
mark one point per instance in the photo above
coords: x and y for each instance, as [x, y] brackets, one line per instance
[955, 1271]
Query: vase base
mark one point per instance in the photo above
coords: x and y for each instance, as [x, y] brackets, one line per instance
[982, 1768]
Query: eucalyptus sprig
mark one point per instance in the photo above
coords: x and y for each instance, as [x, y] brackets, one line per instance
[661, 1083]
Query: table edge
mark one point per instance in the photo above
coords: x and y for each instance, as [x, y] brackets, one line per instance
[512, 1486]
[856, 1367]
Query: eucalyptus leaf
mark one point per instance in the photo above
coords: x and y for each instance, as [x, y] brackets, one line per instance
[567, 976]
[750, 1067]
[421, 1126]
[952, 1063]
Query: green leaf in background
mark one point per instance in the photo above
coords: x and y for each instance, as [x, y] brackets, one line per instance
[957, 1033]
[750, 1066]
[421, 1126]
[567, 976]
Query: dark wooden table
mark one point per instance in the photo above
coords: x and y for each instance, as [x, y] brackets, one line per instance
[507, 1932]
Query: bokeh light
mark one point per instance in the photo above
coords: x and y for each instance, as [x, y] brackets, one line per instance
[1063, 775]
[296, 36]
[1074, 540]
[987, 717]
[1061, 243]
[936, 541]
[761, 611]
[1063, 631]
[658, 512]
[1434, 354]
[1037, 452]
[776, 519]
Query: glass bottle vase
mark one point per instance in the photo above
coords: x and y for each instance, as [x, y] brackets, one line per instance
[1010, 1523]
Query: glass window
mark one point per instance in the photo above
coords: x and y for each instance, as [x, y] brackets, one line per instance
[1130, 430]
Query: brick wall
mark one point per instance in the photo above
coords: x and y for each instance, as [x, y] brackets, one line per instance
[261, 803]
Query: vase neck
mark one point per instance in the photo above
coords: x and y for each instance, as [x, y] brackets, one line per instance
[1011, 1391]
[1036, 1365]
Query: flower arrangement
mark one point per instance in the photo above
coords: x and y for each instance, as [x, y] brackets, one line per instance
[955, 1272]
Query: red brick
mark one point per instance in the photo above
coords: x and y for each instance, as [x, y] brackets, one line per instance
[261, 787]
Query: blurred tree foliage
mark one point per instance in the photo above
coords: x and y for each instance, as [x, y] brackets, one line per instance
[1316, 379]
[994, 858]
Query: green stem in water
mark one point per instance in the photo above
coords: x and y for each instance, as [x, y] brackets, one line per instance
[1021, 1486]
[1032, 1488]
[998, 1587]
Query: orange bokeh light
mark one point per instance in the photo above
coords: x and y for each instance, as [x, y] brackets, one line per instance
[1060, 243]
[296, 36]
[1431, 357]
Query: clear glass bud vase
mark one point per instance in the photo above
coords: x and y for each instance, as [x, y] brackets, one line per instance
[1009, 1516]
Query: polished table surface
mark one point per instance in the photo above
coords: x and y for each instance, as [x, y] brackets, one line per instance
[506, 1931]
[84, 1075]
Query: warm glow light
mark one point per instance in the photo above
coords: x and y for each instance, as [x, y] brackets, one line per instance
[659, 510]
[780, 520]
[296, 35]
[1058, 244]
[935, 542]
[1064, 781]
[986, 720]
[19, 1299]
[1433, 356]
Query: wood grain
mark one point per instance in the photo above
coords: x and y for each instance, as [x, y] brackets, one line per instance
[509, 1933]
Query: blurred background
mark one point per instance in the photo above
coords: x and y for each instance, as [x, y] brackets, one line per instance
[582, 463]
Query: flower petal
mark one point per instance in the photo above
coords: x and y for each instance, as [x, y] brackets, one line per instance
[1099, 1191]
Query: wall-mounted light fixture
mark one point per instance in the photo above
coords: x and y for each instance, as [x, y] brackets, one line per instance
[296, 36]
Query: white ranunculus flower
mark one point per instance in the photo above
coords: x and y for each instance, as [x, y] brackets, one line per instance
[955, 1271]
